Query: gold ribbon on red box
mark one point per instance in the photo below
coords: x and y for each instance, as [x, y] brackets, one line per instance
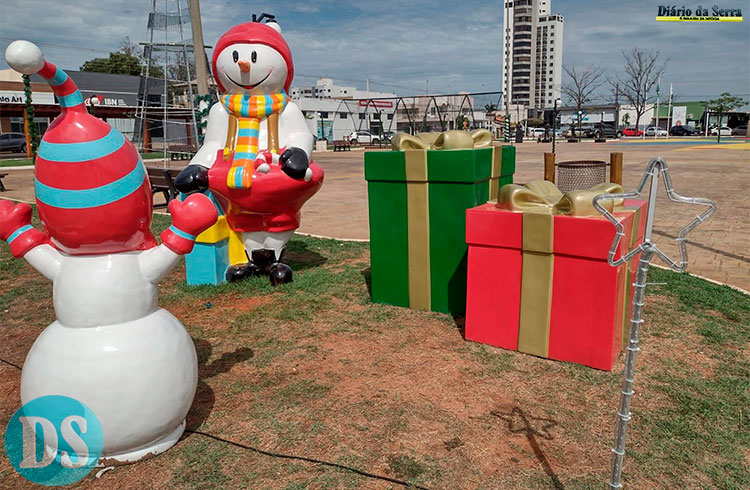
[540, 201]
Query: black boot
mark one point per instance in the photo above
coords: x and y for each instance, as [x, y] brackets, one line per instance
[263, 260]
[280, 274]
[239, 272]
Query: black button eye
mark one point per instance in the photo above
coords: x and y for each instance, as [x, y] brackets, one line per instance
[254, 57]
[235, 56]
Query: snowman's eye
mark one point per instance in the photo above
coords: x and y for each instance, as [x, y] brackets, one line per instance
[235, 56]
[254, 57]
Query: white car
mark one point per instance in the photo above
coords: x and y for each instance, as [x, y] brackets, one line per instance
[725, 131]
[363, 138]
[538, 132]
[654, 131]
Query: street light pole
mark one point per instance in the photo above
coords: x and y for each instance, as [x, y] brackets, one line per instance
[554, 125]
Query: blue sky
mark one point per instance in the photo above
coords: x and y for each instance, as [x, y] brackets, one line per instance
[408, 47]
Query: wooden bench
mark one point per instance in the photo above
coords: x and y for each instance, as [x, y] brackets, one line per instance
[181, 152]
[162, 180]
[2, 186]
[341, 145]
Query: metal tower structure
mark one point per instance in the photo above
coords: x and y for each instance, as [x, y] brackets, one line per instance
[165, 118]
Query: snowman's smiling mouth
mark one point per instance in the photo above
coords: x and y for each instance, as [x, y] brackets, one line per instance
[249, 87]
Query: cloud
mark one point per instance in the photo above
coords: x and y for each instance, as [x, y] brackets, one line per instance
[409, 45]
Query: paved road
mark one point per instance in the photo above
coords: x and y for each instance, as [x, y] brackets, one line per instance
[719, 249]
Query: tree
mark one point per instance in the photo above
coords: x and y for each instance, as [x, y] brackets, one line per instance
[581, 85]
[32, 135]
[725, 103]
[125, 61]
[117, 62]
[642, 72]
[490, 108]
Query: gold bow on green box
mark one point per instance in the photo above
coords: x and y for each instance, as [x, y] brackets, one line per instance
[503, 158]
[540, 201]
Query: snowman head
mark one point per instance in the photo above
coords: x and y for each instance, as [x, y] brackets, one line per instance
[253, 58]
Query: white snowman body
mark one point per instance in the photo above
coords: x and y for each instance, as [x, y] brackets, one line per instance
[265, 73]
[112, 342]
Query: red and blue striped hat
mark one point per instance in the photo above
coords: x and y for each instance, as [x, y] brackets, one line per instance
[91, 186]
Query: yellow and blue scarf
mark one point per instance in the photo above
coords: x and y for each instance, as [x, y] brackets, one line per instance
[249, 110]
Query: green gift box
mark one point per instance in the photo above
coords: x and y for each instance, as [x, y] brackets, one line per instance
[417, 204]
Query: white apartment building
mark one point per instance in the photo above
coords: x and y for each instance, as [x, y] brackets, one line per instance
[532, 54]
[325, 88]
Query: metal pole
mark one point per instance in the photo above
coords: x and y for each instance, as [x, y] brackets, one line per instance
[199, 51]
[623, 412]
[194, 125]
[657, 109]
[669, 111]
[554, 126]
[166, 84]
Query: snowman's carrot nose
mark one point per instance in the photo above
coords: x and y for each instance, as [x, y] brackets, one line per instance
[244, 66]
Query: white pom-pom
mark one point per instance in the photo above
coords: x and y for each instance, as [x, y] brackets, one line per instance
[275, 26]
[24, 57]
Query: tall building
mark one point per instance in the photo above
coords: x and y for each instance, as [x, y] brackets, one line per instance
[532, 54]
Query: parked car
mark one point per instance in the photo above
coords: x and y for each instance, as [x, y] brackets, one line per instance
[585, 131]
[682, 131]
[725, 131]
[654, 131]
[740, 131]
[538, 132]
[602, 131]
[632, 131]
[363, 138]
[13, 142]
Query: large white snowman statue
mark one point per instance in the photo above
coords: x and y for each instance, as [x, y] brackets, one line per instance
[112, 347]
[256, 155]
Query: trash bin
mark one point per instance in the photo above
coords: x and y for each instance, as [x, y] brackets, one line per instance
[580, 174]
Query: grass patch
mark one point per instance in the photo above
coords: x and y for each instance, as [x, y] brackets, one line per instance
[16, 162]
[314, 368]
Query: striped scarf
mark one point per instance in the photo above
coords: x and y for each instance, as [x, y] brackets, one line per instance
[249, 110]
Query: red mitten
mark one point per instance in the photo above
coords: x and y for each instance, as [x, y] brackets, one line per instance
[189, 219]
[16, 229]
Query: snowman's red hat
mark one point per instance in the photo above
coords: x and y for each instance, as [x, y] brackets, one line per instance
[92, 191]
[251, 33]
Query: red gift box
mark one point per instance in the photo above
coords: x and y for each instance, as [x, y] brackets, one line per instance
[541, 284]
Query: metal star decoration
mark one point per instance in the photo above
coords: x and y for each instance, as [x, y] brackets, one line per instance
[647, 249]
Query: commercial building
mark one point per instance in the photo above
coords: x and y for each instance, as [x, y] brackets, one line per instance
[111, 97]
[532, 54]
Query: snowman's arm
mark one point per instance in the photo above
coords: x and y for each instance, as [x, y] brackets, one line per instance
[26, 241]
[215, 138]
[157, 262]
[45, 259]
[189, 219]
[298, 133]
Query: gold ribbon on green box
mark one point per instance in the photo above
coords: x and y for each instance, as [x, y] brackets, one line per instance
[540, 201]
[415, 156]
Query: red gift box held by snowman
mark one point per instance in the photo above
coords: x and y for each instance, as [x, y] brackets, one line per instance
[256, 155]
[112, 347]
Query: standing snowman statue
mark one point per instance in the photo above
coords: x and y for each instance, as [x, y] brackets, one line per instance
[112, 347]
[256, 155]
